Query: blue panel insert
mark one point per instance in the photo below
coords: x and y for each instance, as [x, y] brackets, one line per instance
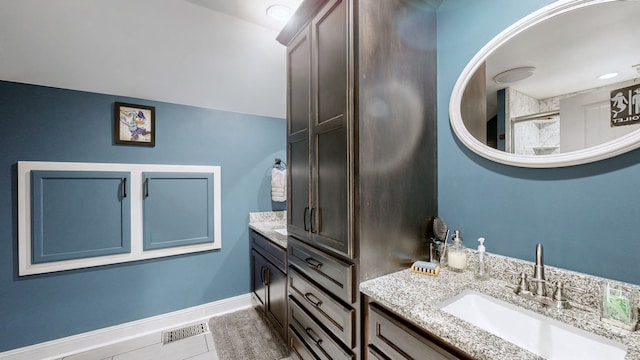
[177, 209]
[79, 214]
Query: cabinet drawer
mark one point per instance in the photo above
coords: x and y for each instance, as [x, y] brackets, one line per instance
[319, 341]
[336, 317]
[274, 253]
[298, 349]
[373, 354]
[390, 336]
[331, 273]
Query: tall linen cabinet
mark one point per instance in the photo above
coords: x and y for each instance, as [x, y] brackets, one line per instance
[361, 149]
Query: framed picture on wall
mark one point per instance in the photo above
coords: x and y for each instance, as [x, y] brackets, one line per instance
[134, 124]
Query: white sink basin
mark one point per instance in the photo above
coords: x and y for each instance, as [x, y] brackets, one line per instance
[281, 231]
[539, 334]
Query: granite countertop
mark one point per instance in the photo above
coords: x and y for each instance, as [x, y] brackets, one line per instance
[415, 297]
[266, 223]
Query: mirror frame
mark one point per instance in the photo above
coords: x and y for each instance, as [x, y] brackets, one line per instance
[603, 151]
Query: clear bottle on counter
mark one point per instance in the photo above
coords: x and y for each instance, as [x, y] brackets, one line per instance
[482, 272]
[456, 254]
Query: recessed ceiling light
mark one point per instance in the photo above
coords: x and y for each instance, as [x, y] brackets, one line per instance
[608, 75]
[513, 75]
[279, 12]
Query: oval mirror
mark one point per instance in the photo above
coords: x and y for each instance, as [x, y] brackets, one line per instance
[560, 87]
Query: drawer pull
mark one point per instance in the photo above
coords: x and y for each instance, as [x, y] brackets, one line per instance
[315, 303]
[313, 263]
[314, 337]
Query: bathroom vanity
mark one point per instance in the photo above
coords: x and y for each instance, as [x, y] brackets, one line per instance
[269, 267]
[404, 314]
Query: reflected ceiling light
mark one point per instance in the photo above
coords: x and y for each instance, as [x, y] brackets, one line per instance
[608, 75]
[513, 75]
[279, 12]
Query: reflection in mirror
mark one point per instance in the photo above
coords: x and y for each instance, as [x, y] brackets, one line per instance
[544, 91]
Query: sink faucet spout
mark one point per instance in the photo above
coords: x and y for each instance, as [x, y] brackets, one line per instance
[540, 288]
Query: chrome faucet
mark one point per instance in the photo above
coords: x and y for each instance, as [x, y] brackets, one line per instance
[538, 290]
[540, 287]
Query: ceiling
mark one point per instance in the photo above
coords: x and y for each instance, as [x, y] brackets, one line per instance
[254, 11]
[569, 51]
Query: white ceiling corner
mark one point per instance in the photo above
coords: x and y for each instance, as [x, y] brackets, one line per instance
[253, 11]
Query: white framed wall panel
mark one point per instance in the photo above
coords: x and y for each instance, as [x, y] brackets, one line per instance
[62, 228]
[137, 252]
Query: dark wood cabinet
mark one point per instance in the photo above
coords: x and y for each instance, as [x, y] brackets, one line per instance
[276, 305]
[269, 281]
[298, 125]
[317, 131]
[338, 319]
[387, 336]
[361, 150]
[315, 336]
[258, 277]
[330, 154]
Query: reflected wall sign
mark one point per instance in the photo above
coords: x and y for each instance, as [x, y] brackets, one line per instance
[625, 106]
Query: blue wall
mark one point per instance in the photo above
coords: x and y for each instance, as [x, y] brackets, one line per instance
[48, 124]
[587, 217]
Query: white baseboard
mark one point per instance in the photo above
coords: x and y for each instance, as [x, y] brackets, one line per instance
[57, 349]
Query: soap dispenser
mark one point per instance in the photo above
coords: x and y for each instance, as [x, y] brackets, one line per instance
[482, 272]
[456, 254]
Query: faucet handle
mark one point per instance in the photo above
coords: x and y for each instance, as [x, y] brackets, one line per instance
[523, 284]
[559, 294]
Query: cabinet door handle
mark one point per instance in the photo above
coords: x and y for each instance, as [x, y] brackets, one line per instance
[312, 219]
[263, 276]
[315, 303]
[314, 337]
[146, 187]
[313, 263]
[304, 215]
[124, 187]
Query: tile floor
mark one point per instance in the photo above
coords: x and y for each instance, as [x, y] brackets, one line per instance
[150, 347]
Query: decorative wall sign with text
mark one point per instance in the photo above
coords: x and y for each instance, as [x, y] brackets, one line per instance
[625, 106]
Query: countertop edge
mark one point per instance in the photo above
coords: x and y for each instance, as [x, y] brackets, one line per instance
[267, 226]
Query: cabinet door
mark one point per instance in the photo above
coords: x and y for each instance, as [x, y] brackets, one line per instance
[79, 214]
[276, 307]
[330, 152]
[258, 277]
[318, 98]
[392, 336]
[299, 112]
[177, 209]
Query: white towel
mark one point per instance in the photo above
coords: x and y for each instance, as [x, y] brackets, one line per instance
[278, 185]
